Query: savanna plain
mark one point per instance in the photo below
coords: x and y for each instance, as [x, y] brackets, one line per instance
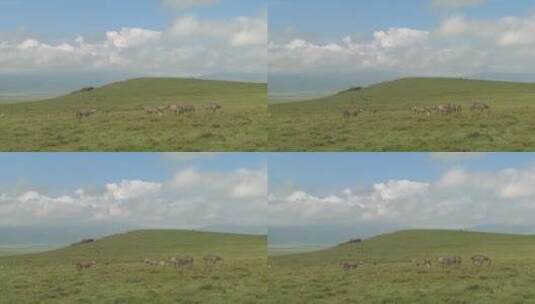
[410, 114]
[151, 266]
[145, 114]
[415, 266]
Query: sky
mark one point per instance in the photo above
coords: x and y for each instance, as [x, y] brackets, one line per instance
[401, 38]
[392, 191]
[141, 190]
[190, 38]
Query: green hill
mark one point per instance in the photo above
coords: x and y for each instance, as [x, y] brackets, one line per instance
[121, 124]
[137, 245]
[406, 245]
[388, 122]
[388, 274]
[399, 94]
[157, 91]
[120, 275]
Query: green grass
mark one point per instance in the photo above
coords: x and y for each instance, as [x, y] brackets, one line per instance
[390, 125]
[122, 125]
[121, 277]
[389, 276]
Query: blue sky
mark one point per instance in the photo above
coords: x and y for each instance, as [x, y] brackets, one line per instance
[60, 173]
[177, 38]
[321, 47]
[385, 191]
[60, 19]
[94, 192]
[338, 18]
[321, 173]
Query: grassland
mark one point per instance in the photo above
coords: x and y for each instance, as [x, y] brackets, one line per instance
[389, 276]
[389, 124]
[120, 275]
[122, 125]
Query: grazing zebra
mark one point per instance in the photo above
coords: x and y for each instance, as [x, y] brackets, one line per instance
[188, 108]
[480, 260]
[150, 262]
[182, 262]
[211, 259]
[449, 260]
[213, 107]
[85, 265]
[479, 107]
[80, 114]
[153, 111]
[425, 262]
[181, 109]
[348, 113]
[350, 265]
[422, 111]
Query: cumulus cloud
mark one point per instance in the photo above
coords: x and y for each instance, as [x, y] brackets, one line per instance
[240, 184]
[132, 189]
[241, 31]
[189, 46]
[457, 199]
[192, 199]
[457, 46]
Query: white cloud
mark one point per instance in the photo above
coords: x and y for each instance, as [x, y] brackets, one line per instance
[242, 183]
[190, 46]
[457, 199]
[249, 184]
[191, 199]
[131, 37]
[132, 189]
[457, 46]
[399, 37]
[240, 31]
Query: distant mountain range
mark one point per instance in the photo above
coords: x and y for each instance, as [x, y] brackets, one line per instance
[15, 87]
[300, 86]
[55, 235]
[236, 229]
[320, 235]
[514, 77]
[22, 87]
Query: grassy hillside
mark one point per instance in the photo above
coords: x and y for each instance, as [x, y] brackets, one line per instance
[120, 275]
[398, 94]
[388, 124]
[388, 274]
[121, 123]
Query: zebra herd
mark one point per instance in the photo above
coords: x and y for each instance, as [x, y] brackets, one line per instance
[452, 260]
[179, 109]
[444, 109]
[84, 113]
[443, 261]
[450, 108]
[85, 265]
[179, 263]
[185, 262]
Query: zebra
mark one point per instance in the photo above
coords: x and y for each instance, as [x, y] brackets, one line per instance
[80, 114]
